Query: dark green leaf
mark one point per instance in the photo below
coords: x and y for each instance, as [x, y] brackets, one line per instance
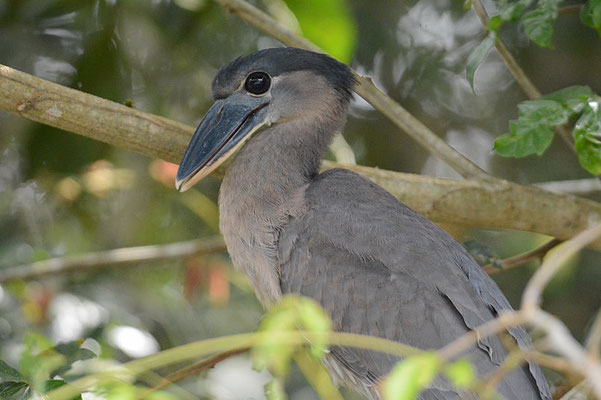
[587, 138]
[9, 374]
[72, 352]
[513, 11]
[538, 28]
[527, 137]
[538, 23]
[591, 15]
[543, 111]
[14, 391]
[329, 24]
[409, 377]
[574, 97]
[478, 55]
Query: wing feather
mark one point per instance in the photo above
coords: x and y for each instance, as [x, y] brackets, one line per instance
[378, 268]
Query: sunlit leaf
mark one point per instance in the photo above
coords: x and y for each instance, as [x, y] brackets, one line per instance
[591, 15]
[329, 24]
[587, 138]
[289, 315]
[9, 374]
[460, 373]
[274, 390]
[411, 376]
[526, 137]
[478, 55]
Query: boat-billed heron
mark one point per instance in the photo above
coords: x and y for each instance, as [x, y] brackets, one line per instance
[376, 266]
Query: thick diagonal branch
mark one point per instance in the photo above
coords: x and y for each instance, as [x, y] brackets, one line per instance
[482, 203]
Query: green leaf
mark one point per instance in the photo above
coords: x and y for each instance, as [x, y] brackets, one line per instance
[478, 56]
[573, 98]
[328, 24]
[543, 111]
[409, 377]
[495, 23]
[274, 390]
[52, 384]
[14, 391]
[9, 374]
[591, 15]
[38, 359]
[460, 373]
[512, 11]
[538, 23]
[526, 137]
[289, 315]
[587, 137]
[72, 352]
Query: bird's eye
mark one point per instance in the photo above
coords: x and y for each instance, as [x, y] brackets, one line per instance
[258, 83]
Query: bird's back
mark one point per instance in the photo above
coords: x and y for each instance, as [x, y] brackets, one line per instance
[381, 269]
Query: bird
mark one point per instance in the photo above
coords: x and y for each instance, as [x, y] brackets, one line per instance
[376, 266]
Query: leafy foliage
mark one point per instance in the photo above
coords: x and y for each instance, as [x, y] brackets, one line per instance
[411, 376]
[40, 365]
[532, 132]
[478, 55]
[289, 315]
[332, 16]
[537, 24]
[415, 373]
[591, 15]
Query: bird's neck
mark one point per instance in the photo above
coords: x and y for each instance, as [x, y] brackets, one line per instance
[262, 188]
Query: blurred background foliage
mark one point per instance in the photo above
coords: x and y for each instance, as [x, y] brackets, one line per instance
[62, 194]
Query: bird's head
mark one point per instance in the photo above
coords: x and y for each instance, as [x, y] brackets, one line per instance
[272, 86]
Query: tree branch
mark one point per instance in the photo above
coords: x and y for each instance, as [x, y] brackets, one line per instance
[491, 203]
[518, 73]
[113, 258]
[193, 370]
[542, 276]
[366, 89]
[522, 259]
[576, 186]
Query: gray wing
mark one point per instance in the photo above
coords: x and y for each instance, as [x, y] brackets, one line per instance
[381, 269]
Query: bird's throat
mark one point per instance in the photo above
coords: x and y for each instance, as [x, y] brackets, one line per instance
[264, 187]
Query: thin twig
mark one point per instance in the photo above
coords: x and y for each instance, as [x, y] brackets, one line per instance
[543, 275]
[578, 392]
[112, 258]
[593, 342]
[575, 186]
[193, 370]
[569, 10]
[366, 89]
[522, 259]
[518, 73]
